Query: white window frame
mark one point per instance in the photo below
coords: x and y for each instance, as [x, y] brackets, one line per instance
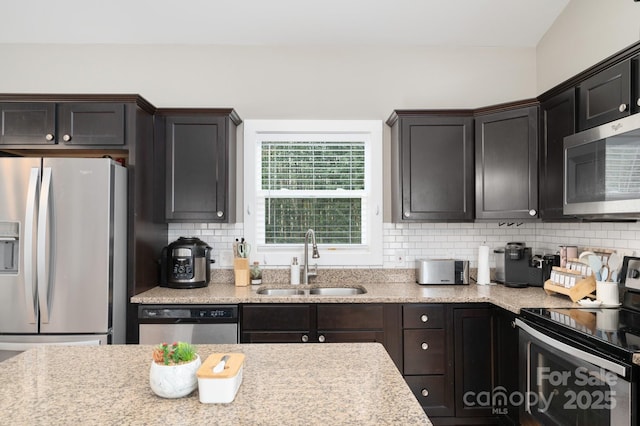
[368, 254]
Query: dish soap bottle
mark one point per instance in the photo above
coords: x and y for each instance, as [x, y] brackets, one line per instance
[295, 271]
[256, 274]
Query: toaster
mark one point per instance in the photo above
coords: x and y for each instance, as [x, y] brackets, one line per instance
[442, 271]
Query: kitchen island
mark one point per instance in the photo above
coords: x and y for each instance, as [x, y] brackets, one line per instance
[282, 384]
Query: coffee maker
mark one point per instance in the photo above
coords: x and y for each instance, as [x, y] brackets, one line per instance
[185, 264]
[516, 264]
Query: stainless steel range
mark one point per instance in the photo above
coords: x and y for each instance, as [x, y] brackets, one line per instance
[576, 364]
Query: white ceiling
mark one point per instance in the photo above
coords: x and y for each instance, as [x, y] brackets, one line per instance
[280, 22]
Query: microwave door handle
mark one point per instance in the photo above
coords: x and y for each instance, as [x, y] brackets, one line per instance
[575, 352]
[29, 222]
[41, 249]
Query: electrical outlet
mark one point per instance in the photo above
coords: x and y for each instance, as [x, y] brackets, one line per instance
[226, 258]
[400, 257]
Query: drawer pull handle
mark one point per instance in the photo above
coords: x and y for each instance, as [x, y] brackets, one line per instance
[424, 318]
[424, 392]
[424, 346]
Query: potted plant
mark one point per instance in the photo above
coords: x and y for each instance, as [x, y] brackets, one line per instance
[173, 370]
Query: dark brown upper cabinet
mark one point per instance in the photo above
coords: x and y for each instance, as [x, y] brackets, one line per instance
[27, 123]
[92, 123]
[63, 124]
[507, 163]
[558, 118]
[432, 160]
[606, 96]
[200, 149]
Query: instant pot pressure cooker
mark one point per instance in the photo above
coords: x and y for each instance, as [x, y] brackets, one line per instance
[185, 264]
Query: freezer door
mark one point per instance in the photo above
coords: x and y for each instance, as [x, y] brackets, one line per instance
[19, 183]
[13, 345]
[74, 247]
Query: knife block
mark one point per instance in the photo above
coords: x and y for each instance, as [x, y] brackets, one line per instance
[241, 271]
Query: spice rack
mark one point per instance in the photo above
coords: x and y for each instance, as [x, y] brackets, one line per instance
[584, 287]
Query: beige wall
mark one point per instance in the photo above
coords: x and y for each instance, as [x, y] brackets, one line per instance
[282, 82]
[585, 33]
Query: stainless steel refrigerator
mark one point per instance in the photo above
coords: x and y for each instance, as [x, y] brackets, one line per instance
[63, 252]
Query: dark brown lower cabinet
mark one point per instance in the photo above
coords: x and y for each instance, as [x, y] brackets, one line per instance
[323, 323]
[448, 360]
[506, 362]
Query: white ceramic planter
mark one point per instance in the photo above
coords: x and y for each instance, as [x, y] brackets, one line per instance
[174, 381]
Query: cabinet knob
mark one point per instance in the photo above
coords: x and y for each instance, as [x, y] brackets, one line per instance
[638, 102]
[305, 338]
[424, 318]
[219, 213]
[321, 338]
[66, 138]
[533, 212]
[513, 324]
[407, 214]
[424, 346]
[48, 136]
[622, 107]
[424, 392]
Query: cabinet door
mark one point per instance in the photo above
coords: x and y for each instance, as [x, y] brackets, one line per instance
[27, 123]
[558, 120]
[605, 97]
[433, 393]
[350, 317]
[425, 352]
[423, 316]
[278, 317]
[436, 164]
[91, 123]
[507, 164]
[196, 174]
[473, 361]
[635, 85]
[506, 371]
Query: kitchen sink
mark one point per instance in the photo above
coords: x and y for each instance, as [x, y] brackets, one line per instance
[313, 291]
[337, 291]
[281, 292]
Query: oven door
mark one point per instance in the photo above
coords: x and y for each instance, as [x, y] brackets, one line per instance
[564, 384]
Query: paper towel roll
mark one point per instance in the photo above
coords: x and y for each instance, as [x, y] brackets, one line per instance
[483, 265]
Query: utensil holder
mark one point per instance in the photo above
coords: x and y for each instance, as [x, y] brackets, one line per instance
[241, 270]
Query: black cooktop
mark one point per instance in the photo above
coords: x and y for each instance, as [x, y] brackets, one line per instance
[614, 331]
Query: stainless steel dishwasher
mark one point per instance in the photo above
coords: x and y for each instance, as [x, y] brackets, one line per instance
[188, 323]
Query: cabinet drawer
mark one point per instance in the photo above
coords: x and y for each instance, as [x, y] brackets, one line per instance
[350, 317]
[424, 352]
[423, 316]
[277, 317]
[433, 393]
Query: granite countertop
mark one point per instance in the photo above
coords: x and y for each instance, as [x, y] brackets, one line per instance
[282, 384]
[512, 299]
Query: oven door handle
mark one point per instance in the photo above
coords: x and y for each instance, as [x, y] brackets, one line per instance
[570, 350]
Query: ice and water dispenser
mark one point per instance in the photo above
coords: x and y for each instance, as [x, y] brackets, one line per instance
[9, 247]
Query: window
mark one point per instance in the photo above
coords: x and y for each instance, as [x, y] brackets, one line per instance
[318, 175]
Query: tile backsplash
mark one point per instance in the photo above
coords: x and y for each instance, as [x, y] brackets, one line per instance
[403, 243]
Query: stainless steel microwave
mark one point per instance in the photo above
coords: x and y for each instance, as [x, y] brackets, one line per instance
[602, 170]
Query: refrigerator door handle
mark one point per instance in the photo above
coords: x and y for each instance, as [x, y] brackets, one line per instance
[29, 222]
[41, 250]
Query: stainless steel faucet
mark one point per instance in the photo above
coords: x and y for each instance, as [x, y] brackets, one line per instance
[315, 255]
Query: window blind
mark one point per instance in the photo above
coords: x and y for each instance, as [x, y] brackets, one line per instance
[314, 184]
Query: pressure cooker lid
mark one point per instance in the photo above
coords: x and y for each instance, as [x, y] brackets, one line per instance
[199, 247]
